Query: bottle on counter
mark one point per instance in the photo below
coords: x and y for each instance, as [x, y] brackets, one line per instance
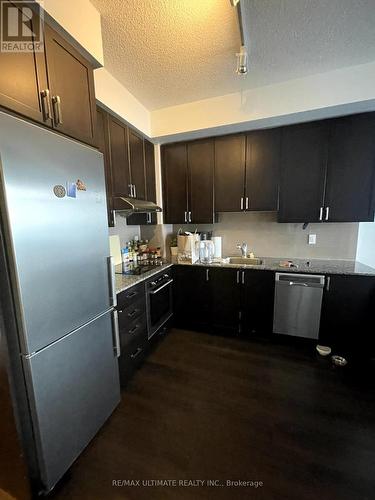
[125, 259]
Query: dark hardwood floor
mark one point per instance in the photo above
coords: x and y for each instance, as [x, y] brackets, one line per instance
[205, 407]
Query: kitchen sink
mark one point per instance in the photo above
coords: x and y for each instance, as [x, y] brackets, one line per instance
[248, 261]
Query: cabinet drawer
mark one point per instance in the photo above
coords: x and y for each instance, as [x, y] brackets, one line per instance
[134, 334]
[129, 297]
[132, 355]
[129, 314]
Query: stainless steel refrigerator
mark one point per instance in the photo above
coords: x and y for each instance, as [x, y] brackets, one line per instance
[54, 225]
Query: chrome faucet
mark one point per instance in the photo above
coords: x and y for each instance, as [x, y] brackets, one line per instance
[243, 249]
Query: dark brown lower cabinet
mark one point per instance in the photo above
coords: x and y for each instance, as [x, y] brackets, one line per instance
[192, 298]
[347, 316]
[257, 303]
[132, 320]
[226, 291]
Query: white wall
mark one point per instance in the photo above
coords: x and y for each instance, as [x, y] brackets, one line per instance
[115, 97]
[366, 243]
[343, 91]
[81, 21]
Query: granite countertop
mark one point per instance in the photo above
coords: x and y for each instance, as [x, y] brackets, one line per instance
[316, 266]
[123, 282]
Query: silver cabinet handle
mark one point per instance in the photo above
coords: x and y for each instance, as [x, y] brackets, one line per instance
[238, 277]
[321, 213]
[328, 283]
[116, 331]
[207, 275]
[247, 203]
[133, 330]
[241, 203]
[243, 277]
[185, 216]
[56, 103]
[130, 186]
[161, 288]
[134, 191]
[327, 213]
[46, 105]
[112, 281]
[149, 219]
[189, 216]
[136, 353]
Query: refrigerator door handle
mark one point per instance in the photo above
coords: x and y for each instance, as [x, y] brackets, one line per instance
[116, 332]
[112, 281]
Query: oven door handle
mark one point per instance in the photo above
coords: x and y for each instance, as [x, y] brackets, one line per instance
[153, 292]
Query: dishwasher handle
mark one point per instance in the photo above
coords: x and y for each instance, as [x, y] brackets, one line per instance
[295, 279]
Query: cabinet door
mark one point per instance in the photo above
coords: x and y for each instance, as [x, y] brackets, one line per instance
[147, 219]
[351, 168]
[226, 300]
[262, 169]
[71, 80]
[23, 78]
[192, 298]
[257, 303]
[347, 310]
[229, 173]
[102, 141]
[137, 164]
[119, 157]
[174, 166]
[303, 167]
[201, 181]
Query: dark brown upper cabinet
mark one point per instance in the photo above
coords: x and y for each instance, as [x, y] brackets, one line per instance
[119, 157]
[54, 87]
[201, 156]
[103, 144]
[188, 182]
[23, 83]
[262, 170]
[247, 171]
[149, 157]
[351, 169]
[328, 170]
[71, 85]
[230, 173]
[175, 178]
[137, 165]
[303, 166]
[129, 162]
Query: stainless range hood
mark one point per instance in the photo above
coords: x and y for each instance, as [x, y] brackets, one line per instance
[129, 206]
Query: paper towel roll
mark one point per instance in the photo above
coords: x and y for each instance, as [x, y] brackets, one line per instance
[217, 240]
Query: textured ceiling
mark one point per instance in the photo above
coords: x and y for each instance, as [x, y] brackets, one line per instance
[169, 52]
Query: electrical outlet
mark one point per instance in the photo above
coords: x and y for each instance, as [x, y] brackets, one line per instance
[312, 239]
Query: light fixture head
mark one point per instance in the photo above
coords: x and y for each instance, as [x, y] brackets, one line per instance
[234, 2]
[242, 61]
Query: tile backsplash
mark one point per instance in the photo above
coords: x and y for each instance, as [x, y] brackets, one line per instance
[125, 232]
[267, 238]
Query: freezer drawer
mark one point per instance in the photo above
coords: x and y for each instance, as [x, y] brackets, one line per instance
[73, 388]
[298, 302]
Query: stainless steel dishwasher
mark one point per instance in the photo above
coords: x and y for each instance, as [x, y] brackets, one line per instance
[298, 302]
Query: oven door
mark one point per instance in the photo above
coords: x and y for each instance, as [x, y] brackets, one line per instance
[159, 305]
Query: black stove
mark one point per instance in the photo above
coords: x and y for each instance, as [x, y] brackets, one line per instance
[137, 269]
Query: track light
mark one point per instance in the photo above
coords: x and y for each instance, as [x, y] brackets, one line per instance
[234, 2]
[242, 68]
